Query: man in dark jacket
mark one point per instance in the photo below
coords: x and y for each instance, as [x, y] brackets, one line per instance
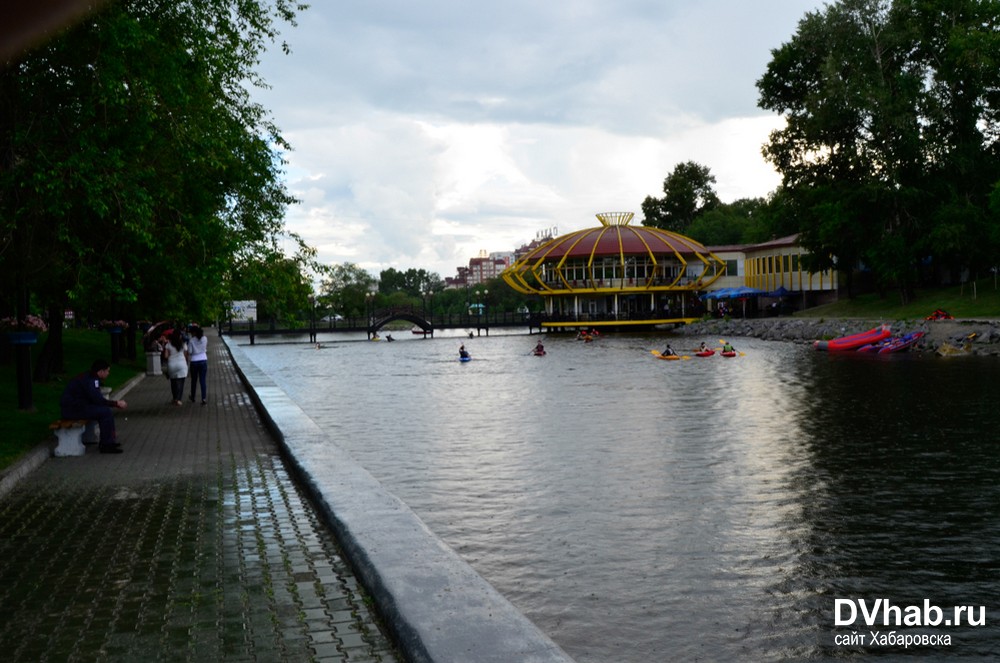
[82, 399]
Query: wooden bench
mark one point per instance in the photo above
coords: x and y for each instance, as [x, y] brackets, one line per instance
[69, 432]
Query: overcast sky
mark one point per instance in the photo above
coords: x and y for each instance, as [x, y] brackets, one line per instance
[424, 132]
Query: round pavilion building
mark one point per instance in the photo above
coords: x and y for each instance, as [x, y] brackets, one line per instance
[616, 274]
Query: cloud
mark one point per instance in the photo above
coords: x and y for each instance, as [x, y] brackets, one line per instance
[426, 132]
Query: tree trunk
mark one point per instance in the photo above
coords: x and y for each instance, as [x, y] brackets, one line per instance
[51, 359]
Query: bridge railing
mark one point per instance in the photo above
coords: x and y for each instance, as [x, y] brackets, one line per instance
[462, 320]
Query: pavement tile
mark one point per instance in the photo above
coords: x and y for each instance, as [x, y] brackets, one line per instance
[195, 544]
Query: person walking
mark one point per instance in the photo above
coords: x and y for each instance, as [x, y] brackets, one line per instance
[198, 347]
[82, 399]
[176, 354]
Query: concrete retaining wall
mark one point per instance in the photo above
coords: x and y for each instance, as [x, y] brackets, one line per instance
[437, 607]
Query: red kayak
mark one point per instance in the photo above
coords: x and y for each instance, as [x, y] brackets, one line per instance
[854, 341]
[704, 353]
[731, 353]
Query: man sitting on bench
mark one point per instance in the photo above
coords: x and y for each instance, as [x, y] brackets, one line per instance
[82, 399]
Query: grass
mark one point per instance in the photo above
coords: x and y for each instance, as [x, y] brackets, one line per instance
[23, 430]
[962, 301]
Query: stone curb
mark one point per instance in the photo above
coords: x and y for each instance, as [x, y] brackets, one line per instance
[436, 605]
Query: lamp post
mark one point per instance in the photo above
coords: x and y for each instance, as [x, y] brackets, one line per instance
[371, 311]
[312, 319]
[486, 309]
[426, 293]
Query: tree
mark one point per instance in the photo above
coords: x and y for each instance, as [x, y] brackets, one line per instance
[890, 142]
[132, 153]
[346, 288]
[414, 282]
[281, 285]
[688, 194]
[740, 222]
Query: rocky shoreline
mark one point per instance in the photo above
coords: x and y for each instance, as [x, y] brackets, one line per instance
[807, 330]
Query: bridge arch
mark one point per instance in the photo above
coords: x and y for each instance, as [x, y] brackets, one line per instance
[382, 319]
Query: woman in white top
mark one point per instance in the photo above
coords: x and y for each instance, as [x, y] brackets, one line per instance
[175, 353]
[198, 347]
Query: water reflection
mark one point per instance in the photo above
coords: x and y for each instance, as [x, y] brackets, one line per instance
[644, 510]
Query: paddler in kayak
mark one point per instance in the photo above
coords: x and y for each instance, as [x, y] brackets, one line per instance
[669, 352]
[462, 352]
[539, 348]
[727, 347]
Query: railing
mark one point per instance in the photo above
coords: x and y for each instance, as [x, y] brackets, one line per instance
[361, 324]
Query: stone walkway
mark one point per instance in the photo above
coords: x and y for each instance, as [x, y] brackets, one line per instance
[194, 544]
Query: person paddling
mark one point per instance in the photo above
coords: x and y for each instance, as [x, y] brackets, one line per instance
[462, 352]
[669, 352]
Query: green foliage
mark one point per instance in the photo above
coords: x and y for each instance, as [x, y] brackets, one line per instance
[740, 222]
[135, 169]
[890, 146]
[346, 288]
[688, 194]
[414, 282]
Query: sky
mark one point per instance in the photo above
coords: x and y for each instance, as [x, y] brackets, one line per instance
[426, 132]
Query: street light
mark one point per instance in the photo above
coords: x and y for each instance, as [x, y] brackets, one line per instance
[486, 309]
[312, 319]
[371, 310]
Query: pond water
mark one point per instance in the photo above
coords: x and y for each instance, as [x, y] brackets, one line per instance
[701, 509]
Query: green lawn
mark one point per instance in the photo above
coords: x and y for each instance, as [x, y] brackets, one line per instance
[23, 430]
[981, 301]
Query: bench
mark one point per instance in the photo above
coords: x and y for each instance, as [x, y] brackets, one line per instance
[69, 432]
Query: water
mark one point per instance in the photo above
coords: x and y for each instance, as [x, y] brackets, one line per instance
[703, 509]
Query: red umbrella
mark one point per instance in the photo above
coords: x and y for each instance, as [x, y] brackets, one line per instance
[164, 327]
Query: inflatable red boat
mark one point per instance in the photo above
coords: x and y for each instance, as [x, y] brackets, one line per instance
[854, 341]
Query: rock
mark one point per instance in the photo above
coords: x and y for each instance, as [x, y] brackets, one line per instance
[807, 330]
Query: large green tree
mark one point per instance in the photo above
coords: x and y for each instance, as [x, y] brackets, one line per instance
[414, 282]
[688, 192]
[346, 289]
[135, 170]
[890, 145]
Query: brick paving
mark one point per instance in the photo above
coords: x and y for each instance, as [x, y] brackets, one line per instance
[194, 544]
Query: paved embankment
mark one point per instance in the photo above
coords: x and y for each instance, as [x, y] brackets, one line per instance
[195, 544]
[806, 330]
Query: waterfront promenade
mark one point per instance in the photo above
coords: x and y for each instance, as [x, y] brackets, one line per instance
[195, 544]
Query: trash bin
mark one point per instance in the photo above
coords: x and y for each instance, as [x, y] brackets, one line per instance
[153, 364]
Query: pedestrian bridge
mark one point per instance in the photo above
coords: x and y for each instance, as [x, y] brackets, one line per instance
[382, 318]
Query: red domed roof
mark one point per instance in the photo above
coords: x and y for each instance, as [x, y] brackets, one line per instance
[613, 238]
[616, 240]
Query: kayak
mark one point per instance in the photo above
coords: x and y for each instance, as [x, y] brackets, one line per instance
[875, 348]
[465, 358]
[656, 353]
[901, 343]
[854, 341]
[539, 353]
[730, 353]
[704, 353]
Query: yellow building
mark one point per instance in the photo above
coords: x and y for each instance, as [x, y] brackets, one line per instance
[616, 274]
